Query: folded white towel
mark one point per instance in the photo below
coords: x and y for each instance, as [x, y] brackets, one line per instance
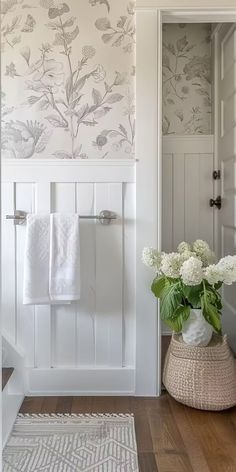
[64, 273]
[51, 263]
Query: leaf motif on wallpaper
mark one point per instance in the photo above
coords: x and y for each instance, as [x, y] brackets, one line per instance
[121, 22]
[43, 104]
[25, 53]
[181, 43]
[107, 37]
[124, 134]
[170, 101]
[8, 30]
[55, 12]
[123, 32]
[97, 96]
[32, 99]
[169, 47]
[69, 37]
[166, 61]
[82, 111]
[165, 125]
[118, 40]
[101, 112]
[198, 67]
[103, 24]
[123, 130]
[89, 123]
[69, 23]
[115, 97]
[179, 114]
[100, 2]
[29, 24]
[55, 121]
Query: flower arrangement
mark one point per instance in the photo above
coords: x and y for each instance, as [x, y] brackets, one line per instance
[190, 279]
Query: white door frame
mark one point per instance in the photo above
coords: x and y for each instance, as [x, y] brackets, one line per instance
[150, 14]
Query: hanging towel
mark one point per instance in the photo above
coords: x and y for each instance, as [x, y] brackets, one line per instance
[51, 278]
[36, 261]
[64, 265]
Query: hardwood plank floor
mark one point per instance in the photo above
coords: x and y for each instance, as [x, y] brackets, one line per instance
[170, 437]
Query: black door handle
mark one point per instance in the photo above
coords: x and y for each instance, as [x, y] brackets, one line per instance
[217, 202]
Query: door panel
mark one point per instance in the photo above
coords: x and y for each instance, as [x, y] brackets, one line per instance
[227, 160]
[187, 187]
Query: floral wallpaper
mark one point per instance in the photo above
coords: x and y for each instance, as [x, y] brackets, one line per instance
[68, 79]
[186, 79]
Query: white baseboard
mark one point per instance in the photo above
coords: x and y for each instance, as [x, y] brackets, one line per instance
[80, 381]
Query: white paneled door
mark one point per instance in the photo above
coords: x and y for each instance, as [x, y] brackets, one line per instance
[187, 172]
[227, 160]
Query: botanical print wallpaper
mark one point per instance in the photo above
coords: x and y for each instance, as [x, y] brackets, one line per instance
[187, 79]
[68, 79]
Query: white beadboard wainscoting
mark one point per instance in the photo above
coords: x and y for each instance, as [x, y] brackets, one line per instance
[87, 347]
[188, 185]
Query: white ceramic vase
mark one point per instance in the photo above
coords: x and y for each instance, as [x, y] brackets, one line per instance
[196, 331]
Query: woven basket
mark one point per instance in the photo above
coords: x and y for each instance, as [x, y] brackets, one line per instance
[201, 377]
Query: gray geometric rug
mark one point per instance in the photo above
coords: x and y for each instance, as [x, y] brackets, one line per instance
[71, 443]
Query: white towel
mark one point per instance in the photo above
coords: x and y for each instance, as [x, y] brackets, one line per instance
[64, 274]
[51, 263]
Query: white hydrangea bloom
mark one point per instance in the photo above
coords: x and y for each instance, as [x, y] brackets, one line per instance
[183, 247]
[170, 265]
[186, 255]
[191, 271]
[227, 266]
[213, 274]
[200, 246]
[203, 251]
[151, 257]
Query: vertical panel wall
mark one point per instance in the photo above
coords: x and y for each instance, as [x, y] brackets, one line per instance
[96, 333]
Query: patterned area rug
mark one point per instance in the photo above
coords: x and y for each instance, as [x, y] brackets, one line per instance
[72, 443]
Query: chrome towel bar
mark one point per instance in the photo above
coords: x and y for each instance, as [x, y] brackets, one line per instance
[105, 217]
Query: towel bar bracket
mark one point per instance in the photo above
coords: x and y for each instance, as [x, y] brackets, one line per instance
[104, 217]
[18, 218]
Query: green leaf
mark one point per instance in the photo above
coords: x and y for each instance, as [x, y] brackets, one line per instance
[159, 284]
[179, 316]
[211, 315]
[170, 300]
[193, 294]
[211, 305]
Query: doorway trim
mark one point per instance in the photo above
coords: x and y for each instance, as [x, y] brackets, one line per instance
[149, 18]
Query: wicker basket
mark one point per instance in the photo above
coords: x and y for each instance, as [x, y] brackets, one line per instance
[201, 377]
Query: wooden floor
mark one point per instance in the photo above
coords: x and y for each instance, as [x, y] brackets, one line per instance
[170, 436]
